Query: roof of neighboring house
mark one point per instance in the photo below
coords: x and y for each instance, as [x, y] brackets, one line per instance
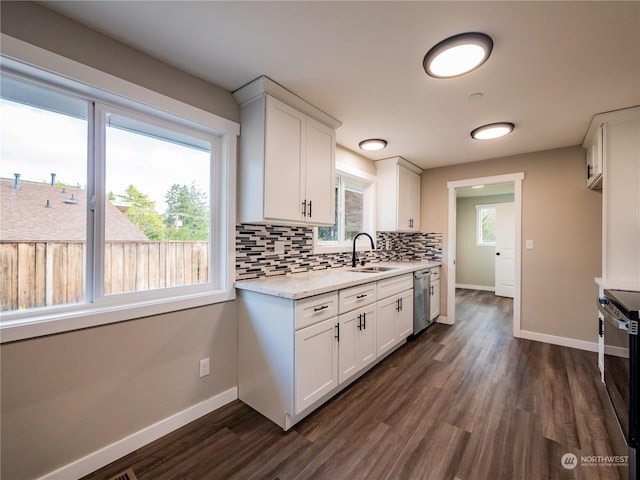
[25, 217]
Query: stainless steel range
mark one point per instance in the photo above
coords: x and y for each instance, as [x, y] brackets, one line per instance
[620, 310]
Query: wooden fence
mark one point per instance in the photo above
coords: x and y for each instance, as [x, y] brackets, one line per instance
[37, 274]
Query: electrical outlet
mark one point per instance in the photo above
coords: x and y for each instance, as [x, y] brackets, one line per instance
[528, 244]
[204, 367]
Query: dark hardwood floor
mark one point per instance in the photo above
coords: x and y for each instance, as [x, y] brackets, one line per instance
[465, 402]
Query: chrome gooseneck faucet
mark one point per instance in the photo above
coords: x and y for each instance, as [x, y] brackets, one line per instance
[354, 257]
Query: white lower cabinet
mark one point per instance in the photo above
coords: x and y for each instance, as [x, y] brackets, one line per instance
[404, 318]
[357, 342]
[295, 354]
[316, 362]
[395, 321]
[394, 312]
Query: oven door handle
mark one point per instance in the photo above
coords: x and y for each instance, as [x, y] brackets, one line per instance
[620, 325]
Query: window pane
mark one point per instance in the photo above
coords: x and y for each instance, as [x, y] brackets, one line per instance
[488, 225]
[353, 210]
[157, 218]
[327, 235]
[43, 224]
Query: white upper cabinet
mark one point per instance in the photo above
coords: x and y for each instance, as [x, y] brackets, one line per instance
[398, 195]
[620, 195]
[320, 173]
[286, 168]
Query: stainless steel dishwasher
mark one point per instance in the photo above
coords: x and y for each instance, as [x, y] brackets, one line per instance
[421, 299]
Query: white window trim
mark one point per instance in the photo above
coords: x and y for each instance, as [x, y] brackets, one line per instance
[370, 201]
[479, 242]
[23, 58]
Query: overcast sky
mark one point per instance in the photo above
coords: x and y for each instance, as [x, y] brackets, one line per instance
[35, 143]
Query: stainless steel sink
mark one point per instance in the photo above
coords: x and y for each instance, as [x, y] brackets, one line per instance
[372, 269]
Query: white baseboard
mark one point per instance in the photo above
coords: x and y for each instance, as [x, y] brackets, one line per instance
[119, 449]
[616, 351]
[562, 341]
[442, 319]
[484, 288]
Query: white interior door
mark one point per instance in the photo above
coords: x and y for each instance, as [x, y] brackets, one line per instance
[505, 250]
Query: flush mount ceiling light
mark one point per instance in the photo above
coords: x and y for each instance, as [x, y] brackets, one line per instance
[373, 144]
[492, 130]
[458, 55]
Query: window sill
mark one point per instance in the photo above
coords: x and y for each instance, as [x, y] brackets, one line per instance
[86, 316]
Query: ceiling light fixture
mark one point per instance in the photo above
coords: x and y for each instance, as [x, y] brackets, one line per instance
[492, 130]
[458, 55]
[373, 144]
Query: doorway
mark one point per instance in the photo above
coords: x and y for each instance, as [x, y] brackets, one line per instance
[514, 183]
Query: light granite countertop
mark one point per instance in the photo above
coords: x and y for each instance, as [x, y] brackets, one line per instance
[301, 285]
[617, 284]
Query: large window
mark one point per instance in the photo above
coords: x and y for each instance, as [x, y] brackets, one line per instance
[158, 240]
[354, 211]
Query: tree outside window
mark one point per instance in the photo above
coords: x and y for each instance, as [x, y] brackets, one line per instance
[486, 225]
[350, 213]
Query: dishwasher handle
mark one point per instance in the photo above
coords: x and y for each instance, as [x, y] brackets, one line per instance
[420, 274]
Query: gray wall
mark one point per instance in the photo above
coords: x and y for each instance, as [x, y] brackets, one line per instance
[561, 215]
[68, 395]
[474, 265]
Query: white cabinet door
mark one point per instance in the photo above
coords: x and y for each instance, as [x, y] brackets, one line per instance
[621, 199]
[316, 362]
[367, 337]
[319, 174]
[398, 195]
[394, 321]
[408, 200]
[285, 144]
[385, 326]
[357, 343]
[434, 299]
[404, 316]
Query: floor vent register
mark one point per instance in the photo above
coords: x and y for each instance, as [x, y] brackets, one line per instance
[126, 475]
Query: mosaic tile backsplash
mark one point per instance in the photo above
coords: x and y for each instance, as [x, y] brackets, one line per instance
[255, 255]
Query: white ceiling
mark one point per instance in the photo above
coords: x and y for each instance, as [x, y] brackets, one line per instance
[554, 64]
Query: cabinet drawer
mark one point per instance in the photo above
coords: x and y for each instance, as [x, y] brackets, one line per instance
[394, 285]
[435, 273]
[315, 309]
[354, 297]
